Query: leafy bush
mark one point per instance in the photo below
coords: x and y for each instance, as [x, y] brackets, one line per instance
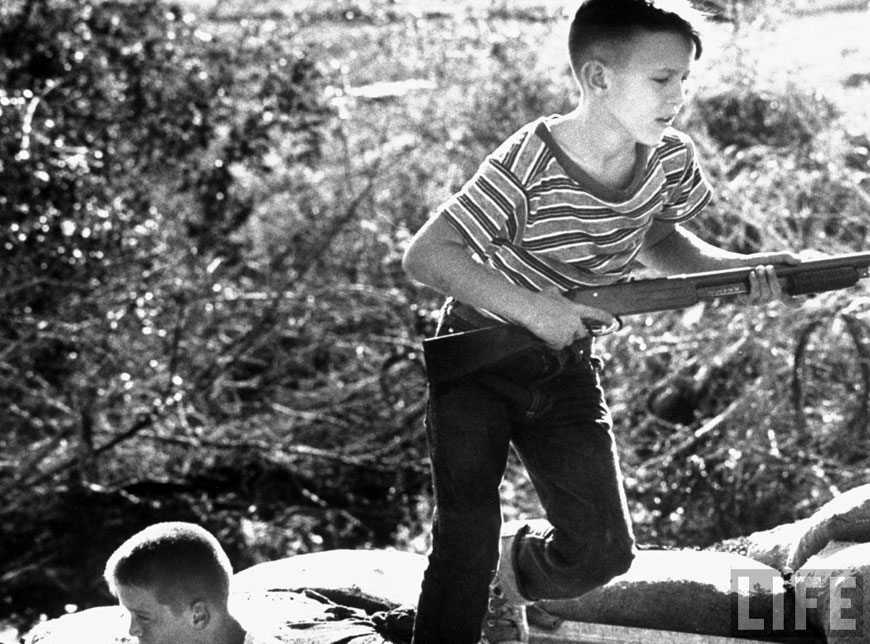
[151, 319]
[746, 116]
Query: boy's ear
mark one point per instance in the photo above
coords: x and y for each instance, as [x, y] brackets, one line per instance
[200, 614]
[594, 75]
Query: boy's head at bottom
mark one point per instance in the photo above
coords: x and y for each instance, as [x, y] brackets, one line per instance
[173, 579]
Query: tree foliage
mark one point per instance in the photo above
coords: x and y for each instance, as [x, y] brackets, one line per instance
[171, 335]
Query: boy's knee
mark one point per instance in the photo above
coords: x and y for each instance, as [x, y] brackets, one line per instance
[612, 550]
[621, 559]
[611, 562]
[612, 559]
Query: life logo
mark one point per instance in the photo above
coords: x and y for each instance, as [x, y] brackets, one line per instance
[806, 604]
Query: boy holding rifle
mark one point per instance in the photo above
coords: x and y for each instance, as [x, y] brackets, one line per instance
[568, 201]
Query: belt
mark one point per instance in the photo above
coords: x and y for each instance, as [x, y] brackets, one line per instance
[477, 320]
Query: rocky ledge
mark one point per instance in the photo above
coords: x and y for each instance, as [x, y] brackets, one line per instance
[802, 581]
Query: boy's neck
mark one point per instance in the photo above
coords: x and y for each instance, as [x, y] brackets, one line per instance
[228, 631]
[603, 154]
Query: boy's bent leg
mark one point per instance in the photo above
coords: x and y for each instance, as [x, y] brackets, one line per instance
[570, 455]
[468, 432]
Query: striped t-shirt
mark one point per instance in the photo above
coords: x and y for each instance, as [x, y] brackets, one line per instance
[533, 215]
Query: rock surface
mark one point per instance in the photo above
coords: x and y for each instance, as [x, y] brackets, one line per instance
[367, 597]
[680, 590]
[834, 581]
[787, 547]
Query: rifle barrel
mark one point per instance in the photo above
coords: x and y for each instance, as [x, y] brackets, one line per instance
[453, 356]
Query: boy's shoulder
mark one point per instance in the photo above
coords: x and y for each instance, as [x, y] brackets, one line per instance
[522, 154]
[674, 139]
[675, 149]
[525, 136]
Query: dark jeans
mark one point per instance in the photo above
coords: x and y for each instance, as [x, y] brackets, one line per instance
[550, 405]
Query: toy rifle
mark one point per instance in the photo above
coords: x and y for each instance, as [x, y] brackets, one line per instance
[456, 355]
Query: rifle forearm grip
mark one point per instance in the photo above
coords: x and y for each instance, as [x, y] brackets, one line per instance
[820, 280]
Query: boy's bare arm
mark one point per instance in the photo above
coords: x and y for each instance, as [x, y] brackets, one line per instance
[673, 250]
[439, 257]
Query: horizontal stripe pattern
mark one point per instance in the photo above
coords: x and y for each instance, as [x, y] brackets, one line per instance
[526, 217]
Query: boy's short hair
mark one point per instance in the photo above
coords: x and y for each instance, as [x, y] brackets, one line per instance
[600, 27]
[179, 562]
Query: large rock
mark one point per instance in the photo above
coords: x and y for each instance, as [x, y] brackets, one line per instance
[279, 617]
[845, 518]
[340, 596]
[833, 594]
[702, 592]
[364, 597]
[787, 547]
[776, 547]
[368, 579]
[104, 625]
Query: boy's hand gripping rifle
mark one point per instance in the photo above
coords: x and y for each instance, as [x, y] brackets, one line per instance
[453, 356]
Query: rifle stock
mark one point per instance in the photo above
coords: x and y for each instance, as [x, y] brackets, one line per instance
[453, 356]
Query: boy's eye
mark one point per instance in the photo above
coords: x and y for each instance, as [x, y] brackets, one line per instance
[667, 79]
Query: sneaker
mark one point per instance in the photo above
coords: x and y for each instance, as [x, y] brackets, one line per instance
[504, 622]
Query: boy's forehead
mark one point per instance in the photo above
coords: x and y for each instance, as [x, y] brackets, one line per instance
[659, 50]
[137, 598]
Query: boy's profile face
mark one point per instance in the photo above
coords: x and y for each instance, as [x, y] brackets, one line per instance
[152, 622]
[646, 88]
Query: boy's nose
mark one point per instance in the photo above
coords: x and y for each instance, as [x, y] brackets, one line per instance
[135, 629]
[677, 101]
[683, 93]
